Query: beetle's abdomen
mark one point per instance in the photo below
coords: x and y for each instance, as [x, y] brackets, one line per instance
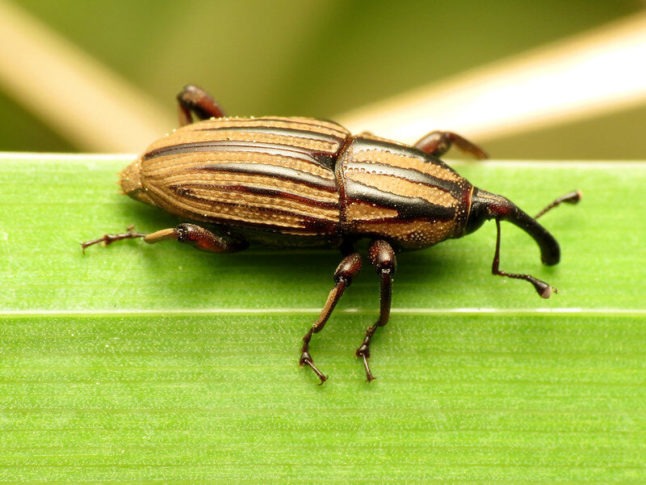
[401, 194]
[268, 174]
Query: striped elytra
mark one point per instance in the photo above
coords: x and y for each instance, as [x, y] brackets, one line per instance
[300, 182]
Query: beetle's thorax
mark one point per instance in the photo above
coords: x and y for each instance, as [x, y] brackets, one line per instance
[401, 194]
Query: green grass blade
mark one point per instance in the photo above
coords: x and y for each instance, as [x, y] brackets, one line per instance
[147, 363]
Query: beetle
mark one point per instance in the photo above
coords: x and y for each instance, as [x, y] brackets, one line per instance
[303, 182]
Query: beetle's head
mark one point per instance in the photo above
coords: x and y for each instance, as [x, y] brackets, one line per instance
[130, 180]
[485, 206]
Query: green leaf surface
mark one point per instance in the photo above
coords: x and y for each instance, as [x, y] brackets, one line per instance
[157, 362]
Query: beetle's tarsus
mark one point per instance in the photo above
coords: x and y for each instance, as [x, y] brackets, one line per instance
[364, 353]
[306, 359]
[108, 239]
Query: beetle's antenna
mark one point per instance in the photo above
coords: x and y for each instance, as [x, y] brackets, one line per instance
[542, 288]
[569, 198]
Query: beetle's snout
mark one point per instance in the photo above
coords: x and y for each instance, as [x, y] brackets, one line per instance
[485, 205]
[130, 180]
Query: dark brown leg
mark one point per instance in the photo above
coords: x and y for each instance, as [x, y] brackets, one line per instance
[542, 288]
[192, 234]
[437, 143]
[382, 257]
[193, 99]
[347, 269]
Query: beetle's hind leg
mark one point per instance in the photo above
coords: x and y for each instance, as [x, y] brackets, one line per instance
[382, 257]
[347, 269]
[197, 236]
[195, 100]
[437, 143]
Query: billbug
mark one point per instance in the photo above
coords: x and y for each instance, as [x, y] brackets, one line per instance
[302, 182]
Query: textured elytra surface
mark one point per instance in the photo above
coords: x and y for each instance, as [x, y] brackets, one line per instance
[144, 363]
[270, 174]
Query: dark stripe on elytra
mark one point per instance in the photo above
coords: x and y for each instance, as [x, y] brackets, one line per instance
[409, 174]
[407, 207]
[327, 159]
[232, 146]
[364, 144]
[186, 189]
[294, 132]
[321, 159]
[275, 171]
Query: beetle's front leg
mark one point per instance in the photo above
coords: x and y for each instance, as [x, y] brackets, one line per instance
[193, 99]
[382, 257]
[347, 269]
[437, 143]
[192, 234]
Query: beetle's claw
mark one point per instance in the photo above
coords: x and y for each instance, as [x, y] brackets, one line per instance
[364, 353]
[369, 375]
[306, 359]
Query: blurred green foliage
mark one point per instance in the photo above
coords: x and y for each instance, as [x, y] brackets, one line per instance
[314, 58]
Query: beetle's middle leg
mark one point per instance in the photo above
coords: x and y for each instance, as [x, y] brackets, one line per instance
[382, 257]
[347, 269]
[193, 99]
[437, 143]
[197, 236]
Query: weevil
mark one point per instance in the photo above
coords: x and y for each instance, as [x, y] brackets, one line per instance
[303, 182]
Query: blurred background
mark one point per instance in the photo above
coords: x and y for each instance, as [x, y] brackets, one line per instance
[68, 64]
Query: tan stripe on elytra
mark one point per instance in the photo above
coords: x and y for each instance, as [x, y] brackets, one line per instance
[400, 186]
[201, 210]
[295, 122]
[265, 202]
[364, 211]
[181, 137]
[193, 179]
[410, 234]
[407, 162]
[369, 136]
[168, 164]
